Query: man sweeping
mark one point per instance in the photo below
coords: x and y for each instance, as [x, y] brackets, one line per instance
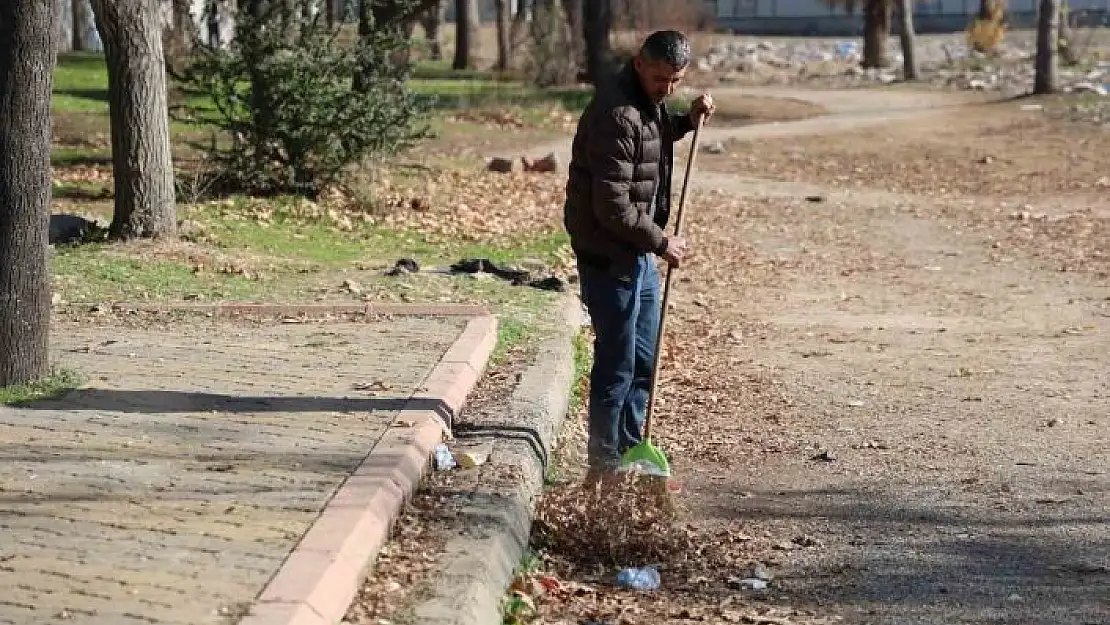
[618, 203]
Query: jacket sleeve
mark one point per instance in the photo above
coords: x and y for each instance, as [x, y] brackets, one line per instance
[612, 155]
[680, 125]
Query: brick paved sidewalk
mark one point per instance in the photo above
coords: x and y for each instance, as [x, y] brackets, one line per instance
[172, 488]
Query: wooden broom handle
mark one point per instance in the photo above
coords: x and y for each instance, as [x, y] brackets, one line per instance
[667, 283]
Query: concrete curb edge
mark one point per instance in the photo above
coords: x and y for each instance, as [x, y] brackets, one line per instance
[478, 567]
[321, 576]
[234, 309]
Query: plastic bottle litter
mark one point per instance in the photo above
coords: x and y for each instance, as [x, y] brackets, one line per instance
[646, 578]
[753, 583]
[444, 458]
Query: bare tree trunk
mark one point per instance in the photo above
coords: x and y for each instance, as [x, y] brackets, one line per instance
[503, 48]
[574, 11]
[876, 33]
[431, 21]
[63, 26]
[1048, 28]
[82, 24]
[179, 36]
[909, 40]
[598, 20]
[1065, 49]
[141, 158]
[517, 32]
[462, 34]
[27, 56]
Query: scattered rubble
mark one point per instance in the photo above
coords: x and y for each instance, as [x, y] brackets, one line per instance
[945, 61]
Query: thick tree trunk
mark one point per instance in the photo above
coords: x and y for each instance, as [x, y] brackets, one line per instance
[1048, 29]
[503, 47]
[141, 158]
[27, 56]
[462, 34]
[598, 20]
[909, 40]
[876, 33]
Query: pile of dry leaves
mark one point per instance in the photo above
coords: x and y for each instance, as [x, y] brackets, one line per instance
[473, 205]
[597, 527]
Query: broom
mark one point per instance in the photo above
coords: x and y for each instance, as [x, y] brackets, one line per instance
[645, 459]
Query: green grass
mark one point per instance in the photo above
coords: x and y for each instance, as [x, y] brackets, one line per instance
[81, 86]
[289, 254]
[293, 258]
[289, 232]
[511, 332]
[56, 384]
[99, 272]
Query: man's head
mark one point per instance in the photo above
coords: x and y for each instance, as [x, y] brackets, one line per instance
[661, 63]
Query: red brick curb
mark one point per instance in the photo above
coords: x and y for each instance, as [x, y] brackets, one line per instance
[320, 577]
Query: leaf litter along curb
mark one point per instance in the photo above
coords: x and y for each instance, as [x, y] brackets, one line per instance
[582, 542]
[410, 559]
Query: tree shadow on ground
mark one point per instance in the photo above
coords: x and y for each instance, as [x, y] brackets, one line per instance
[93, 95]
[887, 559]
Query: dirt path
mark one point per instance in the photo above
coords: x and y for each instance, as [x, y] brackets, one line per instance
[848, 109]
[903, 418]
[962, 399]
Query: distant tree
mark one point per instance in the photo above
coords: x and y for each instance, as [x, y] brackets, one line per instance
[597, 17]
[82, 24]
[467, 21]
[390, 19]
[142, 163]
[909, 40]
[504, 47]
[431, 20]
[1048, 32]
[27, 56]
[876, 28]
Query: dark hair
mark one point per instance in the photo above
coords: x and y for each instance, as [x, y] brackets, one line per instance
[667, 45]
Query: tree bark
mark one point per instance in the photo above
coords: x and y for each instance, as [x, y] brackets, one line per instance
[876, 33]
[598, 20]
[141, 159]
[82, 24]
[503, 46]
[63, 26]
[909, 40]
[462, 34]
[1048, 29]
[27, 57]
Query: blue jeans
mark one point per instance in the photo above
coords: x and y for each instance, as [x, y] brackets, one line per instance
[625, 319]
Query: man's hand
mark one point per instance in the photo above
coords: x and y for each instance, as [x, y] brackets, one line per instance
[702, 107]
[676, 249]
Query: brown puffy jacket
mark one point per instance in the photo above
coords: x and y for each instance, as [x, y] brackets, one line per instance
[623, 147]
